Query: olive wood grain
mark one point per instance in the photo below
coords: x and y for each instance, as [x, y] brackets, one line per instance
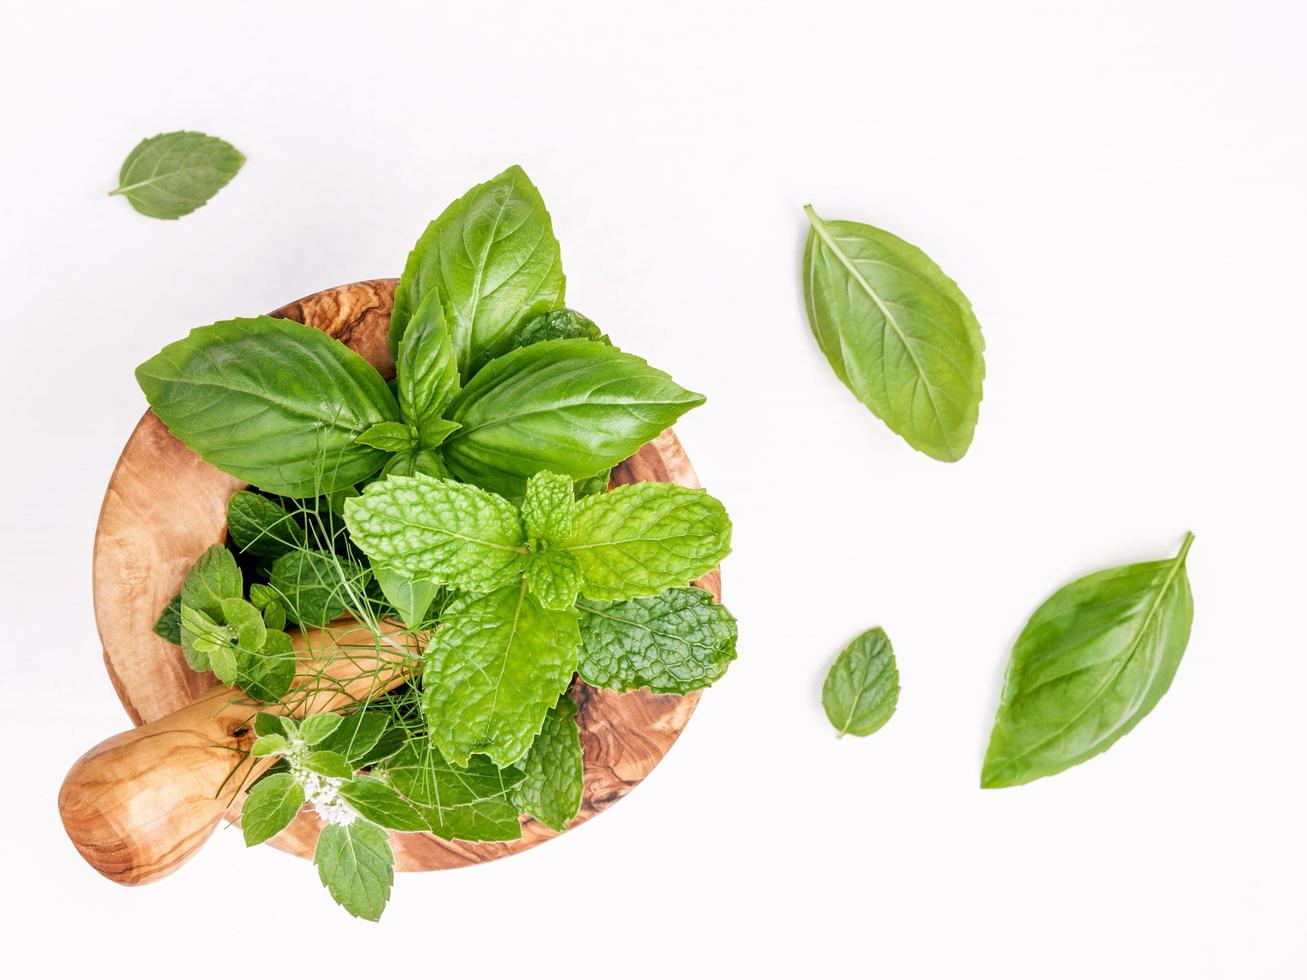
[164, 505]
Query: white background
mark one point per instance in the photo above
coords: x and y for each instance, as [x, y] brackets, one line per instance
[1119, 188]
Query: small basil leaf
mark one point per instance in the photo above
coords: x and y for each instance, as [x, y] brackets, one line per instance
[426, 371]
[415, 462]
[862, 687]
[393, 437]
[173, 174]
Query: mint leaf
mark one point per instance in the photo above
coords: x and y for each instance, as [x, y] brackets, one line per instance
[493, 669]
[897, 331]
[862, 687]
[560, 325]
[472, 803]
[375, 801]
[331, 764]
[201, 637]
[213, 578]
[411, 597]
[448, 532]
[554, 578]
[169, 623]
[642, 538]
[269, 745]
[270, 806]
[173, 174]
[356, 735]
[315, 587]
[492, 259]
[357, 866]
[1091, 663]
[673, 643]
[426, 373]
[552, 787]
[259, 526]
[247, 621]
[268, 673]
[316, 728]
[549, 508]
[393, 437]
[266, 723]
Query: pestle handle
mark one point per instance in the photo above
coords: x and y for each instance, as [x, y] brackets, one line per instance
[140, 804]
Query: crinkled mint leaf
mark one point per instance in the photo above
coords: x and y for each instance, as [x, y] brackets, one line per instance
[315, 587]
[169, 623]
[374, 800]
[472, 803]
[554, 578]
[259, 526]
[173, 174]
[448, 532]
[357, 866]
[562, 324]
[357, 735]
[212, 578]
[639, 539]
[552, 787]
[268, 673]
[493, 669]
[270, 806]
[673, 643]
[549, 508]
[862, 687]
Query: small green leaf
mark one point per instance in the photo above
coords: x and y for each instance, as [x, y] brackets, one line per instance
[212, 578]
[551, 790]
[268, 673]
[259, 526]
[554, 578]
[201, 636]
[269, 807]
[560, 325]
[862, 687]
[274, 616]
[356, 865]
[549, 508]
[269, 745]
[316, 586]
[169, 624]
[331, 764]
[357, 735]
[315, 728]
[426, 373]
[673, 643]
[173, 174]
[247, 621]
[393, 437]
[375, 801]
[223, 663]
[266, 724]
[639, 539]
[410, 597]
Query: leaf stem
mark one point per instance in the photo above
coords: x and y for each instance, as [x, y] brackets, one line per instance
[1184, 548]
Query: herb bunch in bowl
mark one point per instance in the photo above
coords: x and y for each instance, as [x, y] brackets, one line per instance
[459, 514]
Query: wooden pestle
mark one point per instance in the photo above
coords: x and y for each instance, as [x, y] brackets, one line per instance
[140, 804]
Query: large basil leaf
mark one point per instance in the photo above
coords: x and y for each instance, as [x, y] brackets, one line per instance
[897, 331]
[272, 402]
[672, 643]
[493, 669]
[356, 864]
[1092, 661]
[426, 373]
[440, 530]
[642, 538]
[472, 803]
[862, 687]
[555, 769]
[492, 259]
[574, 407]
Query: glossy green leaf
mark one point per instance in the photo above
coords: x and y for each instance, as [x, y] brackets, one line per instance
[569, 406]
[411, 597]
[426, 373]
[1093, 660]
[551, 790]
[357, 735]
[211, 579]
[862, 687]
[259, 526]
[472, 803]
[897, 331]
[447, 532]
[357, 866]
[417, 462]
[374, 800]
[272, 402]
[492, 259]
[493, 669]
[270, 806]
[173, 174]
[169, 623]
[391, 437]
[560, 325]
[315, 587]
[672, 643]
[317, 728]
[639, 539]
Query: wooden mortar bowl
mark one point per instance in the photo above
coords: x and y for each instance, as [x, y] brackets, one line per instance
[165, 505]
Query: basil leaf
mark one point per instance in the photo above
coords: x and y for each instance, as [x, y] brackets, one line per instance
[492, 259]
[374, 800]
[259, 526]
[270, 806]
[673, 643]
[173, 174]
[357, 735]
[493, 669]
[169, 623]
[1093, 660]
[897, 331]
[560, 325]
[272, 402]
[862, 687]
[447, 532]
[642, 538]
[472, 803]
[357, 866]
[392, 437]
[315, 587]
[417, 462]
[555, 768]
[549, 508]
[554, 578]
[213, 578]
[426, 373]
[569, 406]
